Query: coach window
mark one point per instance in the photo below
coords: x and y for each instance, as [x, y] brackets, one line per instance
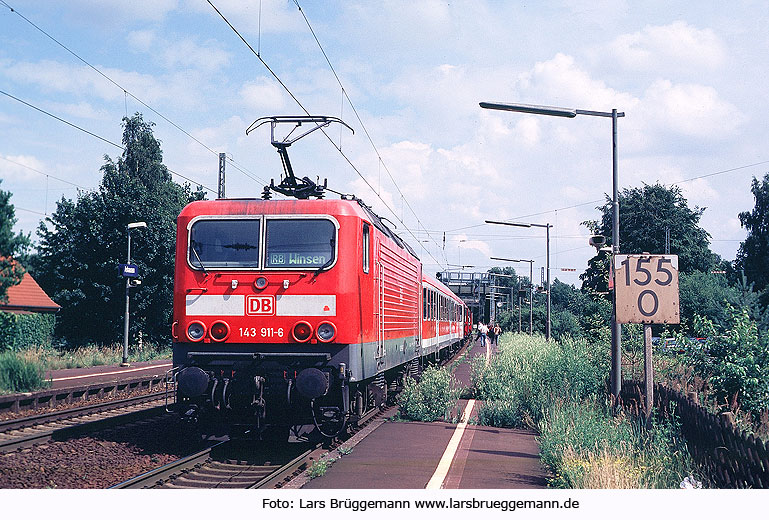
[224, 243]
[366, 247]
[424, 303]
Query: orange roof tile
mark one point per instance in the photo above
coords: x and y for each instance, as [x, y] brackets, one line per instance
[28, 296]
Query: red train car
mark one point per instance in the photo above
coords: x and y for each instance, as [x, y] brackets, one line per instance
[298, 311]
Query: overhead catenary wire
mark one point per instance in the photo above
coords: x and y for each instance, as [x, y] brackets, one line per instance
[127, 93]
[30, 105]
[307, 112]
[360, 121]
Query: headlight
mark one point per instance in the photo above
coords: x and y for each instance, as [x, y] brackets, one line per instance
[195, 331]
[326, 331]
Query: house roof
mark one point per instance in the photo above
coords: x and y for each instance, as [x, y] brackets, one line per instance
[27, 296]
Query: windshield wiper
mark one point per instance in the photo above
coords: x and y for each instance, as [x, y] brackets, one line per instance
[198, 257]
[321, 268]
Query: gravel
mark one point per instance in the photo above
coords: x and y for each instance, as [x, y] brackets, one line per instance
[98, 460]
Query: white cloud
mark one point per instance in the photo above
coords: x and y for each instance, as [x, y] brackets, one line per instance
[21, 167]
[561, 82]
[678, 45]
[263, 95]
[689, 109]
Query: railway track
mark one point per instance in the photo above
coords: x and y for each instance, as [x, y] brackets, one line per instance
[234, 464]
[27, 431]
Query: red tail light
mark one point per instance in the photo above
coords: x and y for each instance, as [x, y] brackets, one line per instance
[302, 331]
[220, 331]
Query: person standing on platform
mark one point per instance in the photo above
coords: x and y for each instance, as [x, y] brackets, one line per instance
[497, 331]
[483, 330]
[492, 337]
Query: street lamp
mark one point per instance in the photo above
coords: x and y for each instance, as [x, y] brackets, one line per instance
[531, 288]
[132, 225]
[616, 328]
[547, 268]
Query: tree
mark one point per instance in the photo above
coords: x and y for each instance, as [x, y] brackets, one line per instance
[645, 215]
[753, 255]
[12, 247]
[83, 241]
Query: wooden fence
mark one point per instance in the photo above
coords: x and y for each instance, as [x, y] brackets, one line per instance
[731, 458]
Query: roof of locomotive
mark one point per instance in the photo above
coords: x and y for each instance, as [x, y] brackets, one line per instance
[353, 207]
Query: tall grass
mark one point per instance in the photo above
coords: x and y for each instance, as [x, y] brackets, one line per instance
[20, 375]
[24, 370]
[530, 373]
[557, 388]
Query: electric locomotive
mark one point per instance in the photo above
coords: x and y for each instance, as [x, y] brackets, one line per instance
[299, 311]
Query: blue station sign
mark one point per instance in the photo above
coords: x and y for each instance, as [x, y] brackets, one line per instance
[129, 270]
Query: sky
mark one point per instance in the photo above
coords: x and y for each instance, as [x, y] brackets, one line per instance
[407, 77]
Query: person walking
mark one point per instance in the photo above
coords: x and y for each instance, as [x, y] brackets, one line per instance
[483, 330]
[497, 332]
[492, 336]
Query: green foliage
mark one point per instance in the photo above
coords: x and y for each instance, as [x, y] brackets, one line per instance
[431, 399]
[21, 331]
[753, 255]
[20, 375]
[83, 241]
[319, 468]
[529, 373]
[735, 359]
[12, 247]
[645, 214]
[705, 294]
[555, 387]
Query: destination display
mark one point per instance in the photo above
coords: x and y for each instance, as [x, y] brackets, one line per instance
[300, 243]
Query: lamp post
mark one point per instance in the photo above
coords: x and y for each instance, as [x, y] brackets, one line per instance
[132, 225]
[547, 262]
[616, 328]
[531, 288]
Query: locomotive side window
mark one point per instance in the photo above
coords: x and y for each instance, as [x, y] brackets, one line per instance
[366, 247]
[300, 243]
[224, 243]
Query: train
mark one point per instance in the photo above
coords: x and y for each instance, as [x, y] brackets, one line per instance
[300, 312]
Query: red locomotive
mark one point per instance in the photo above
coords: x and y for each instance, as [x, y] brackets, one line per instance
[294, 312]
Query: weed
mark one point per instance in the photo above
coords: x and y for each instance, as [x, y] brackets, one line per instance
[319, 468]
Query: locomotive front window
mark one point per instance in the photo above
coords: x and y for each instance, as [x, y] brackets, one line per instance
[299, 243]
[227, 243]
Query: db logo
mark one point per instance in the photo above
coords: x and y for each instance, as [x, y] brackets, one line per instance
[260, 306]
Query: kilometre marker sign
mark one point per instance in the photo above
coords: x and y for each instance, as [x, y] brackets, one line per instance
[646, 288]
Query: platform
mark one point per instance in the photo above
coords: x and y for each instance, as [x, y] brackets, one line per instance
[415, 455]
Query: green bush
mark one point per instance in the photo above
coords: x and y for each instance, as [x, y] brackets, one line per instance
[20, 331]
[735, 361]
[20, 375]
[431, 399]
